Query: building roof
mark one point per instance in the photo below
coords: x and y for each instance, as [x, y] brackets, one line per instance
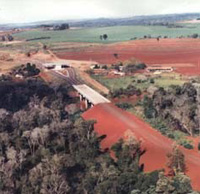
[93, 96]
[59, 63]
[159, 67]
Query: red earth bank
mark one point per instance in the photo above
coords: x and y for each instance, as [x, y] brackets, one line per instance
[115, 123]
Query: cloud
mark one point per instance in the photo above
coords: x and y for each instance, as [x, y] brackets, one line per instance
[33, 10]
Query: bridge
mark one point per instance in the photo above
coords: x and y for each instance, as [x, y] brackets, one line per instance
[89, 96]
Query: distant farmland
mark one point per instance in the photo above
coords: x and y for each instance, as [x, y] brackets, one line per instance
[115, 33]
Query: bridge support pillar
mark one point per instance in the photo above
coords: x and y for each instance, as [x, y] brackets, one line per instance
[81, 97]
[86, 104]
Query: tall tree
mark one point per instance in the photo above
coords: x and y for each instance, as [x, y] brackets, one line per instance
[105, 36]
[176, 161]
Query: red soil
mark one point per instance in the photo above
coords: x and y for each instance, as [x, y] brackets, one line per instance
[45, 77]
[175, 52]
[131, 100]
[115, 123]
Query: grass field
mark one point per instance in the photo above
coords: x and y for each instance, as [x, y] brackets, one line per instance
[115, 33]
[123, 82]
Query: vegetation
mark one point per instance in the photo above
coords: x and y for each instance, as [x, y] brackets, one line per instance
[43, 149]
[124, 105]
[133, 65]
[104, 37]
[167, 103]
[61, 27]
[141, 82]
[176, 162]
[116, 33]
[27, 70]
[129, 91]
[199, 146]
[7, 37]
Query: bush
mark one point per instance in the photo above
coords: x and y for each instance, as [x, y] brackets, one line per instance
[104, 67]
[195, 35]
[199, 146]
[124, 105]
[152, 81]
[141, 66]
[129, 91]
[187, 145]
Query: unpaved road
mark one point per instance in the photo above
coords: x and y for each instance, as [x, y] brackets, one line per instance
[115, 123]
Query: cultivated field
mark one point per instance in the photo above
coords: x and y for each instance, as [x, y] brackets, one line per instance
[115, 33]
[85, 44]
[182, 54]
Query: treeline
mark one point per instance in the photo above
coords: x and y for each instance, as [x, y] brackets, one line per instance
[39, 38]
[7, 37]
[26, 70]
[128, 92]
[64, 26]
[159, 20]
[129, 66]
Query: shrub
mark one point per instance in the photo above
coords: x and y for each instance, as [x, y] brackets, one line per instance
[141, 66]
[188, 146]
[152, 81]
[199, 146]
[124, 105]
[195, 35]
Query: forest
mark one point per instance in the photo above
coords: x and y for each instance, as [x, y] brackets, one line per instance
[43, 149]
[177, 105]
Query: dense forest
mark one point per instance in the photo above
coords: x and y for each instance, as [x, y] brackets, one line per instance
[43, 149]
[178, 106]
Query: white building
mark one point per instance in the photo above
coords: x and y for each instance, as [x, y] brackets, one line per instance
[56, 65]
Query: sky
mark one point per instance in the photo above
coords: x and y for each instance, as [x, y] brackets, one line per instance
[23, 11]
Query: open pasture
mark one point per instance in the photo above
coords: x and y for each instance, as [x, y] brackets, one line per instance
[115, 33]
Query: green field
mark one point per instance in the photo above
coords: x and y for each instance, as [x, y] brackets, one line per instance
[115, 34]
[123, 82]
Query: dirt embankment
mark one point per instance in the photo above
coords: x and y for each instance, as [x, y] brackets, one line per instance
[115, 123]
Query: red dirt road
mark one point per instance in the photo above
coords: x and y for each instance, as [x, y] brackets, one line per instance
[175, 52]
[115, 123]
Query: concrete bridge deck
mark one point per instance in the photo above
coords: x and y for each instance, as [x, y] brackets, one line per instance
[91, 95]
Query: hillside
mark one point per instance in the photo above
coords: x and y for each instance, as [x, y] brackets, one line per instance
[164, 19]
[178, 106]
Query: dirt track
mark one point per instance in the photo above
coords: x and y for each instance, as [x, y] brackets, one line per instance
[115, 123]
[165, 51]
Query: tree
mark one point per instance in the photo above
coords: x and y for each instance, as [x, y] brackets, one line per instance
[45, 47]
[164, 185]
[3, 38]
[176, 162]
[10, 38]
[28, 54]
[115, 55]
[195, 35]
[105, 36]
[149, 110]
[182, 183]
[104, 67]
